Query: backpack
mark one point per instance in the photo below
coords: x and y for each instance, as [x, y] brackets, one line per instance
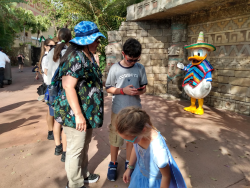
[55, 88]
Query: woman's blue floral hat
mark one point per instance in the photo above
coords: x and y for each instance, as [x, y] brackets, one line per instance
[86, 33]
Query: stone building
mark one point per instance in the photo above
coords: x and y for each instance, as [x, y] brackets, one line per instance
[27, 36]
[164, 26]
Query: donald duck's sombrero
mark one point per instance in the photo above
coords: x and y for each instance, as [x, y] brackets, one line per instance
[201, 44]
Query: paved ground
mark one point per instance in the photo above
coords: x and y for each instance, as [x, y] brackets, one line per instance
[211, 150]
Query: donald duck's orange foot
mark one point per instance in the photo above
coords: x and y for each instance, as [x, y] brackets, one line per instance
[191, 109]
[199, 111]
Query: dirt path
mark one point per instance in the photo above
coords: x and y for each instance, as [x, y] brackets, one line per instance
[211, 150]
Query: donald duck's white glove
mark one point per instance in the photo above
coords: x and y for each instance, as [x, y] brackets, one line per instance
[180, 65]
[207, 85]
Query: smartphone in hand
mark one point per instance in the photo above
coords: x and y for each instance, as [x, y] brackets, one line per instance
[140, 88]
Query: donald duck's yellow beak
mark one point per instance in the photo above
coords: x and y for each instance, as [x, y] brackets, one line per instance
[196, 60]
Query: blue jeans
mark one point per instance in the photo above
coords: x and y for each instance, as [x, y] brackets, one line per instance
[51, 111]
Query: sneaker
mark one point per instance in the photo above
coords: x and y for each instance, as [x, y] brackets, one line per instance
[126, 164]
[40, 98]
[59, 150]
[92, 178]
[63, 157]
[50, 136]
[112, 171]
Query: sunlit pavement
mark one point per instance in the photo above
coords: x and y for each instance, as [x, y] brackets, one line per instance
[212, 150]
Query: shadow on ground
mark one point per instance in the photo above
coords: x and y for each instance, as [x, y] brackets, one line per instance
[5, 127]
[15, 105]
[22, 80]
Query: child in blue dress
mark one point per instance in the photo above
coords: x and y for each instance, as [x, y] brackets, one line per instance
[151, 161]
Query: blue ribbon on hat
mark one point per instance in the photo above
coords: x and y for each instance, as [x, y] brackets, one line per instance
[87, 33]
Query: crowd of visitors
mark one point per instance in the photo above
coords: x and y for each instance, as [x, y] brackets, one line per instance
[79, 108]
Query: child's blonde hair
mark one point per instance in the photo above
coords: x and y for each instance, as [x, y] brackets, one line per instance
[132, 120]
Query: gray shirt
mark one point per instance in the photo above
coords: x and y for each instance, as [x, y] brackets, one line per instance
[121, 77]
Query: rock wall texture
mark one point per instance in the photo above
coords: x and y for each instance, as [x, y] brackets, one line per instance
[226, 26]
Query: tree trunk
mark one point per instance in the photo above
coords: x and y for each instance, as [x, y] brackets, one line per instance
[38, 33]
[23, 35]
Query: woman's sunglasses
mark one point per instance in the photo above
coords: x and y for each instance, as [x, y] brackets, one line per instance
[131, 61]
[51, 46]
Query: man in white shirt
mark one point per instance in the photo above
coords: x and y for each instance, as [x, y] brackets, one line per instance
[3, 59]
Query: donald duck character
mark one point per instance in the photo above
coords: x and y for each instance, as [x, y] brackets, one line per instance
[197, 81]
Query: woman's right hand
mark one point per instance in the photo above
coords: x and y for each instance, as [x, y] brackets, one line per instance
[127, 175]
[80, 123]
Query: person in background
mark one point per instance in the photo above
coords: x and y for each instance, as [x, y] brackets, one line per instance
[55, 39]
[36, 70]
[3, 59]
[43, 66]
[20, 59]
[47, 45]
[53, 60]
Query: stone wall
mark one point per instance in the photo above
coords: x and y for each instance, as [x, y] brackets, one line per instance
[159, 55]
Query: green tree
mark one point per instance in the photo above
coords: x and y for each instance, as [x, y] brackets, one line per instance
[15, 20]
[107, 14]
[8, 24]
[43, 23]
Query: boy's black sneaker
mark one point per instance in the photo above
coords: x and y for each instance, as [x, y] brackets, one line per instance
[112, 171]
[63, 157]
[92, 178]
[50, 135]
[59, 150]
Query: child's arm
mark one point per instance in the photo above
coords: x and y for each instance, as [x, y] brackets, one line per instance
[143, 80]
[132, 161]
[45, 71]
[128, 90]
[166, 177]
[111, 83]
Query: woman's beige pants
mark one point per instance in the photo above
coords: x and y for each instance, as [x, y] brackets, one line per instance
[76, 164]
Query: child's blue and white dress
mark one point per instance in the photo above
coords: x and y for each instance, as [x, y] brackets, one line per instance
[147, 173]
